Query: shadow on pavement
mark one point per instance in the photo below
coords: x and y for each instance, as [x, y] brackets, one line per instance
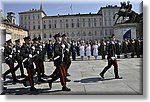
[26, 91]
[93, 80]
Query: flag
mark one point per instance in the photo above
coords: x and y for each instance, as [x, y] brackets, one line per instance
[71, 6]
[127, 34]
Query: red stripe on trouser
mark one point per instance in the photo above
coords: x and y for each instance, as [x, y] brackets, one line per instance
[62, 76]
[42, 67]
[65, 70]
[30, 77]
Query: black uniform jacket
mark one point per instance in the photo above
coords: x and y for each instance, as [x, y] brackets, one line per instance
[57, 53]
[8, 51]
[25, 51]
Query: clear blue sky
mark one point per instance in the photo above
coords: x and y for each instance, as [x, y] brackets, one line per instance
[54, 8]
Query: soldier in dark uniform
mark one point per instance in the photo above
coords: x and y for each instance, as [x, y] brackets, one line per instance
[67, 60]
[73, 51]
[18, 57]
[125, 48]
[67, 53]
[10, 59]
[132, 47]
[58, 62]
[137, 48]
[26, 53]
[103, 48]
[111, 59]
[36, 58]
[49, 50]
[42, 56]
[118, 48]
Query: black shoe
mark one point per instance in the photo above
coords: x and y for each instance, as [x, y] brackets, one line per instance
[33, 89]
[23, 76]
[16, 81]
[4, 88]
[67, 80]
[24, 83]
[41, 80]
[50, 84]
[4, 77]
[51, 76]
[118, 77]
[102, 75]
[43, 75]
[68, 74]
[65, 89]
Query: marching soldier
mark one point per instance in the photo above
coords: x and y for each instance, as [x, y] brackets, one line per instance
[58, 62]
[10, 60]
[67, 54]
[18, 57]
[26, 53]
[111, 59]
[36, 58]
[42, 56]
[66, 60]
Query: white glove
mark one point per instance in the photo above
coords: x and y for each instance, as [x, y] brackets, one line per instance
[18, 51]
[63, 46]
[40, 47]
[67, 50]
[10, 56]
[33, 47]
[38, 52]
[113, 58]
[30, 56]
[14, 50]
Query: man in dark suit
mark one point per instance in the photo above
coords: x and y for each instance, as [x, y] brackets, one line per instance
[111, 59]
[58, 62]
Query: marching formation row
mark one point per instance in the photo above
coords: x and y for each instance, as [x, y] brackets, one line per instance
[32, 53]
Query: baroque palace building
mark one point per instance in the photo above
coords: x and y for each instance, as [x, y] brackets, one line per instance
[76, 26]
[9, 29]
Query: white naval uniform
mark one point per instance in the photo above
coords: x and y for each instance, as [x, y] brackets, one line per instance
[88, 50]
[82, 50]
[95, 50]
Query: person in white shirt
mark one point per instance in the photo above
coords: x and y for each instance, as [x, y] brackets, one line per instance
[95, 50]
[88, 50]
[82, 50]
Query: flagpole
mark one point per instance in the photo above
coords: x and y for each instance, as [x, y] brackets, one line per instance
[71, 9]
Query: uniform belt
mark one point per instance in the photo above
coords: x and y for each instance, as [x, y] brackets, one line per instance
[56, 57]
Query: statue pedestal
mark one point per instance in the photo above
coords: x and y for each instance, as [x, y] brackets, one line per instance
[126, 30]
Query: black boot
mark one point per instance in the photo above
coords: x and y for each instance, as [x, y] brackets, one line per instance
[67, 79]
[102, 75]
[65, 89]
[41, 80]
[33, 89]
[50, 84]
[116, 74]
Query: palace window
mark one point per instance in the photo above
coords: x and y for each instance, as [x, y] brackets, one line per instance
[44, 35]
